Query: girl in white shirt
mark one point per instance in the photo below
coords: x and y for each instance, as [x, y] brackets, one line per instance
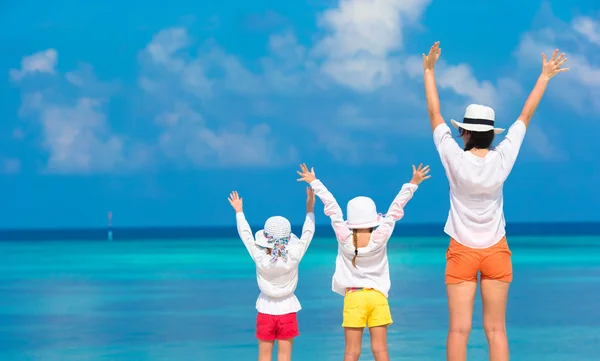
[277, 253]
[361, 269]
[475, 223]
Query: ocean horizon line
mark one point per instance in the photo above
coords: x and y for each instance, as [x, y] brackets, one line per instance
[203, 232]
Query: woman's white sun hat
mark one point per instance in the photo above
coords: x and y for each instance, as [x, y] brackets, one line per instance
[362, 213]
[478, 118]
[276, 228]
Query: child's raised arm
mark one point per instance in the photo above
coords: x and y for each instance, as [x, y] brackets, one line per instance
[243, 227]
[308, 229]
[396, 211]
[332, 208]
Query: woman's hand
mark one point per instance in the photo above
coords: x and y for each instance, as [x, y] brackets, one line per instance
[420, 174]
[553, 66]
[236, 202]
[433, 56]
[305, 175]
[310, 200]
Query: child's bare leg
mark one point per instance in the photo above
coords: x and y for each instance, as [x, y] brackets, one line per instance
[379, 343]
[353, 343]
[265, 350]
[284, 349]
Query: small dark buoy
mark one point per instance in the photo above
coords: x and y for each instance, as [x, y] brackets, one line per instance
[110, 231]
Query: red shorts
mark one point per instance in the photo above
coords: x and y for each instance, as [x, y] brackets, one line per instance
[279, 327]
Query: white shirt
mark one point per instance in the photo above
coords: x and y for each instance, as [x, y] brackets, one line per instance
[372, 269]
[476, 217]
[277, 281]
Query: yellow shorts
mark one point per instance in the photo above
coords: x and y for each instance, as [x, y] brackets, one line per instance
[366, 307]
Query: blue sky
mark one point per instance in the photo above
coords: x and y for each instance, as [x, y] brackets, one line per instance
[157, 112]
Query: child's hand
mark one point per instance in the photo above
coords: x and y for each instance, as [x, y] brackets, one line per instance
[305, 175]
[420, 174]
[236, 202]
[310, 200]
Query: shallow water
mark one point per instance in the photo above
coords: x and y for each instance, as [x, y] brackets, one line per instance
[194, 300]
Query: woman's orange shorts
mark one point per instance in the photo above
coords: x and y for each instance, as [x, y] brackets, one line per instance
[464, 263]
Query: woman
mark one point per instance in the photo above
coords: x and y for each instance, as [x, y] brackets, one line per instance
[475, 223]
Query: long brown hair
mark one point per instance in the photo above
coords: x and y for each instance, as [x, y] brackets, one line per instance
[355, 241]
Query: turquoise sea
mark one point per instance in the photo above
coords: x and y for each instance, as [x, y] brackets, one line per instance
[139, 300]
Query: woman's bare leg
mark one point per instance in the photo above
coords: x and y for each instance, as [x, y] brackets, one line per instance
[494, 295]
[353, 343]
[379, 343]
[460, 306]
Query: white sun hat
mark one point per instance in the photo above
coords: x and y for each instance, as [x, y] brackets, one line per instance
[478, 118]
[276, 228]
[362, 213]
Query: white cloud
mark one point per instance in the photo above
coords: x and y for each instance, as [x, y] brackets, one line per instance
[186, 137]
[587, 27]
[43, 62]
[362, 37]
[72, 111]
[288, 69]
[168, 64]
[461, 79]
[172, 75]
[173, 60]
[76, 136]
[165, 45]
[74, 79]
[75, 130]
[235, 77]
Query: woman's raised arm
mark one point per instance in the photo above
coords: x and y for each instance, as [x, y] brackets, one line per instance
[549, 69]
[431, 94]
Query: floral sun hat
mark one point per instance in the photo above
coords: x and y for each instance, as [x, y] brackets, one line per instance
[275, 236]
